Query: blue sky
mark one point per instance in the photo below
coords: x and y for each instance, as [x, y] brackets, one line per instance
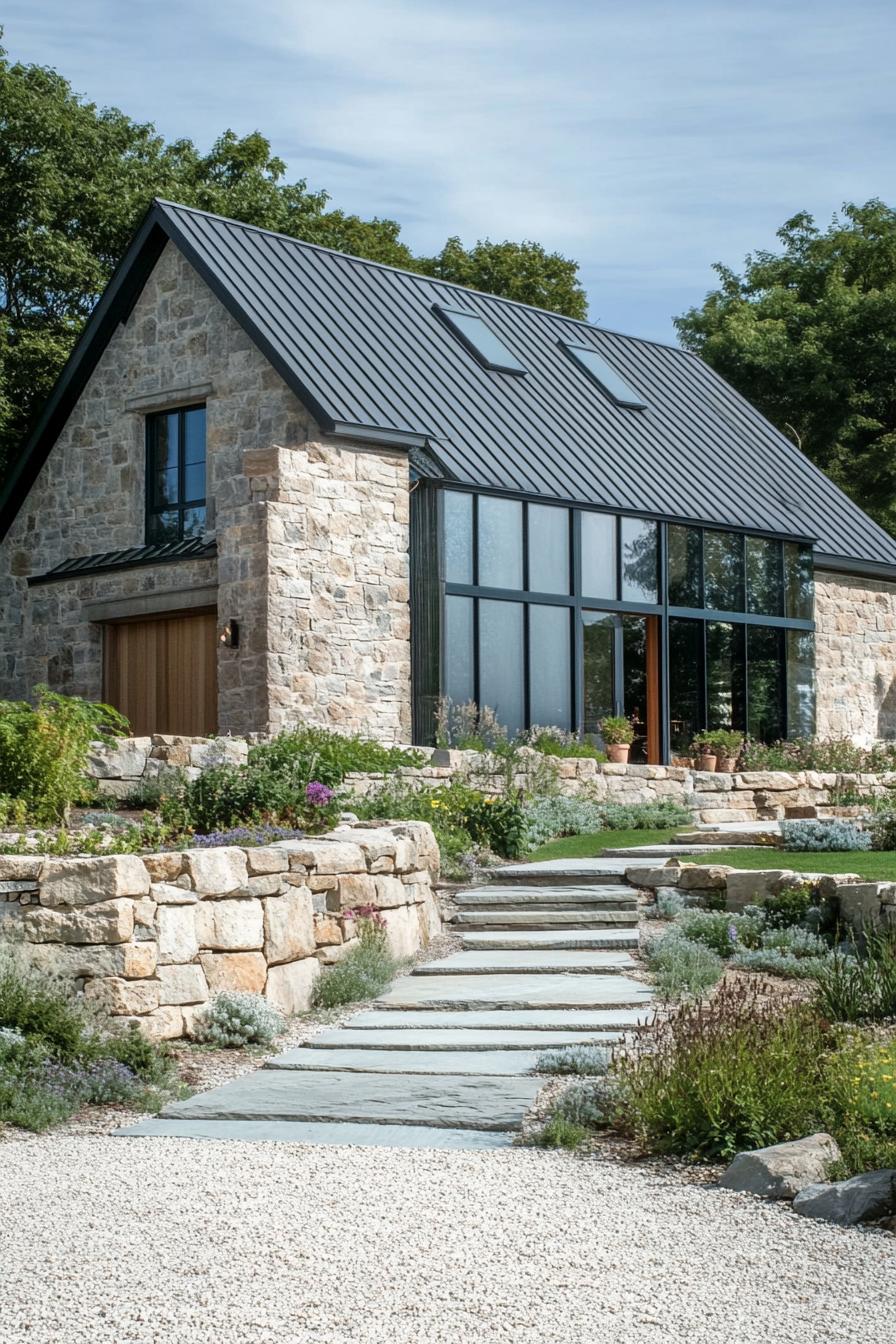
[645, 139]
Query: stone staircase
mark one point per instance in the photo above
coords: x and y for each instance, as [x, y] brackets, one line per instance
[448, 1055]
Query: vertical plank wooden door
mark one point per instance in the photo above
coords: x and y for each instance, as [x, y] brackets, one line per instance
[161, 673]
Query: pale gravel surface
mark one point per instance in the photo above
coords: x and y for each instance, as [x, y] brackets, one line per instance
[140, 1241]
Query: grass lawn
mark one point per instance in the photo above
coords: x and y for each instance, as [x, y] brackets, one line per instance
[592, 845]
[880, 865]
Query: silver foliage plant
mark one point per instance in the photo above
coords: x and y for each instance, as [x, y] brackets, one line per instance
[586, 1060]
[235, 1018]
[823, 836]
[547, 817]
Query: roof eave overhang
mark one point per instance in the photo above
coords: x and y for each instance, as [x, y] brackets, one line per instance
[847, 564]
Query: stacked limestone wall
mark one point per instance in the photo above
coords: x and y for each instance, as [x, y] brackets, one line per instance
[151, 938]
[855, 658]
[713, 798]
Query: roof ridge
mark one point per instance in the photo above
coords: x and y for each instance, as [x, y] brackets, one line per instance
[421, 275]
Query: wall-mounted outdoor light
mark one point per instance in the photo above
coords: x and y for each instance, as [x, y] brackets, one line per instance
[230, 635]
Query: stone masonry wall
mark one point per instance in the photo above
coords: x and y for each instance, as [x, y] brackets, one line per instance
[151, 938]
[312, 539]
[855, 656]
[712, 798]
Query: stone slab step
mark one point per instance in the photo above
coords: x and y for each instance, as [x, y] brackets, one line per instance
[567, 939]
[547, 898]
[545, 919]
[299, 1131]
[495, 1019]
[445, 1039]
[514, 991]
[531, 962]
[728, 838]
[495, 1063]
[449, 1102]
[564, 872]
[662, 851]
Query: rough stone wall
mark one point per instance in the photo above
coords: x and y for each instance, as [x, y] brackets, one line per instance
[312, 539]
[747, 795]
[150, 939]
[855, 656]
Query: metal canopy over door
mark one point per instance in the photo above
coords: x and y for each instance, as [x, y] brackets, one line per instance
[621, 676]
[162, 674]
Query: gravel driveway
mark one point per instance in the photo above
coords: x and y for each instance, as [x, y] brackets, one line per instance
[128, 1241]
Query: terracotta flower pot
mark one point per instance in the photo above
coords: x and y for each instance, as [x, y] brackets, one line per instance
[707, 763]
[726, 764]
[618, 752]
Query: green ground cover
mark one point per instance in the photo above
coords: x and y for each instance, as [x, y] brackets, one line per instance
[876, 865]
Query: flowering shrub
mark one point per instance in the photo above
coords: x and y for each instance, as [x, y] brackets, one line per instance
[831, 755]
[235, 1019]
[247, 836]
[366, 970]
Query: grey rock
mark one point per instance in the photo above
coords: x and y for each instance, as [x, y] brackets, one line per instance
[782, 1170]
[862, 1198]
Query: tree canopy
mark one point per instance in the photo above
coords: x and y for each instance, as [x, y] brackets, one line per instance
[76, 179]
[808, 334]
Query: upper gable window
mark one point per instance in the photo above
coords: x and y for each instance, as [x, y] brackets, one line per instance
[479, 338]
[175, 475]
[606, 377]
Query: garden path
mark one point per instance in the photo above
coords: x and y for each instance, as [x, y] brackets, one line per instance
[447, 1056]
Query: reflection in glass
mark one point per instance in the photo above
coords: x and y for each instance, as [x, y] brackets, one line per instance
[800, 645]
[598, 555]
[685, 683]
[765, 683]
[194, 435]
[459, 685]
[725, 675]
[763, 576]
[640, 555]
[164, 526]
[458, 537]
[549, 666]
[500, 542]
[194, 522]
[548, 549]
[599, 675]
[798, 581]
[723, 571]
[634, 678]
[685, 564]
[501, 662]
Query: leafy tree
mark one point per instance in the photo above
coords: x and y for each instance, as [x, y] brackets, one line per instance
[75, 180]
[809, 335]
[522, 271]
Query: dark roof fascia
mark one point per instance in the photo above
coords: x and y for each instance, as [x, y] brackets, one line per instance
[114, 567]
[401, 439]
[114, 306]
[844, 564]
[676, 519]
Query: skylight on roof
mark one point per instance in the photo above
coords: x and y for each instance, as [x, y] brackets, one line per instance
[479, 338]
[606, 377]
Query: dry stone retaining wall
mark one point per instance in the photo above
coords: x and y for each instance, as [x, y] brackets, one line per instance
[151, 938]
[712, 798]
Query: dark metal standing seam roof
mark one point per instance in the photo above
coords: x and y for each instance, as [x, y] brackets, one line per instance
[361, 345]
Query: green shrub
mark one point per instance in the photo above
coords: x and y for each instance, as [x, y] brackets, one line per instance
[235, 1019]
[364, 972]
[557, 1132]
[557, 742]
[669, 903]
[723, 932]
[710, 1080]
[882, 828]
[44, 749]
[774, 961]
[548, 817]
[587, 1104]
[318, 754]
[861, 988]
[496, 823]
[682, 968]
[45, 1010]
[792, 904]
[585, 1060]
[829, 755]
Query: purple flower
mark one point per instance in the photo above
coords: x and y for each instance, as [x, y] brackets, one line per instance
[732, 934]
[317, 794]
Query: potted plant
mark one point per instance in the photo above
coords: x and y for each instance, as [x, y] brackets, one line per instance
[618, 735]
[704, 750]
[727, 746]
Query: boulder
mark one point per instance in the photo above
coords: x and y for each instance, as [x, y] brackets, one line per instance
[327, 932]
[697, 877]
[289, 926]
[403, 933]
[76, 882]
[291, 986]
[216, 872]
[751, 888]
[126, 760]
[123, 997]
[182, 984]
[131, 960]
[165, 893]
[105, 922]
[783, 1170]
[164, 867]
[177, 934]
[652, 876]
[862, 1198]
[234, 970]
[230, 926]
[266, 859]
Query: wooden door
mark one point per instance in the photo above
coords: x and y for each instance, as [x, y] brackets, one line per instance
[161, 673]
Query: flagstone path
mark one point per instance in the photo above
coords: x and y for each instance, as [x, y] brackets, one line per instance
[448, 1056]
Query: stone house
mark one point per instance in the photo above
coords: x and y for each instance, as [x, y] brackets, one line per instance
[277, 484]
